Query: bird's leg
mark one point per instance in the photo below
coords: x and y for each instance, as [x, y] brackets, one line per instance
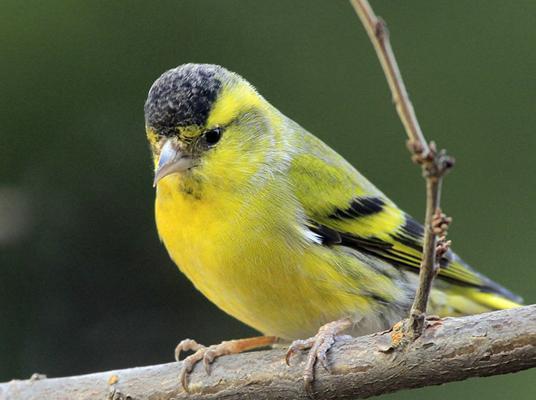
[318, 347]
[209, 353]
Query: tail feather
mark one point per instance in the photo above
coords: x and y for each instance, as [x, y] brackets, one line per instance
[493, 301]
[455, 298]
[459, 301]
[488, 294]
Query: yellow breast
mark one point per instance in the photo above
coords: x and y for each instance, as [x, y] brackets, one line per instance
[241, 257]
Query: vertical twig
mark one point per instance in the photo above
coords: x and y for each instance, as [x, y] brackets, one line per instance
[434, 164]
[379, 36]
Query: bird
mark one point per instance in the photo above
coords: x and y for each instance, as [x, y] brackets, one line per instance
[279, 230]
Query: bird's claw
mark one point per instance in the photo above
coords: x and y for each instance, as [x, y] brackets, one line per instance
[188, 365]
[211, 354]
[208, 354]
[298, 345]
[318, 347]
[186, 345]
[201, 353]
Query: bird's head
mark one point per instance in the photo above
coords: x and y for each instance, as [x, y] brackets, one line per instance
[205, 123]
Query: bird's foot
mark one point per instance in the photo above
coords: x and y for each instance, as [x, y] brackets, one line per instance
[208, 354]
[318, 347]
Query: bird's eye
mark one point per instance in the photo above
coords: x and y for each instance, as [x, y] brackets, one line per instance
[213, 136]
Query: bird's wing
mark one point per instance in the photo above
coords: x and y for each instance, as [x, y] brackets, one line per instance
[344, 208]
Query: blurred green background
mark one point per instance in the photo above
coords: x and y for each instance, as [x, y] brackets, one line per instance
[85, 284]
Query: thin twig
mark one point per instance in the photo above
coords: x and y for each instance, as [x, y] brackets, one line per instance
[434, 164]
[379, 36]
[449, 350]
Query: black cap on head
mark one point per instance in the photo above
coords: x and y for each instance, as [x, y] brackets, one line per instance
[182, 96]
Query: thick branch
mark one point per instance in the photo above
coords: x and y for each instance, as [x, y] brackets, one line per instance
[449, 350]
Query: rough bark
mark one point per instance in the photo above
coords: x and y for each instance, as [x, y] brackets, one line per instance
[450, 349]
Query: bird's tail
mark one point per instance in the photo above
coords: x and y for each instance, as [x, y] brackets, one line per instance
[459, 299]
[465, 301]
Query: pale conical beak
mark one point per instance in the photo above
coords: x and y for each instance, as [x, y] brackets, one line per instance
[171, 161]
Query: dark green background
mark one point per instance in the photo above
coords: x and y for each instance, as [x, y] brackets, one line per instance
[85, 284]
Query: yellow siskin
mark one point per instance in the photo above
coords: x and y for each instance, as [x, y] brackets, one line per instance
[280, 231]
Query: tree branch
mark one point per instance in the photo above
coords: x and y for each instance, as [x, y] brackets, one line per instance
[434, 164]
[450, 349]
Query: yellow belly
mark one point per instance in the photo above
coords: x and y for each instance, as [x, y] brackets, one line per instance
[250, 267]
